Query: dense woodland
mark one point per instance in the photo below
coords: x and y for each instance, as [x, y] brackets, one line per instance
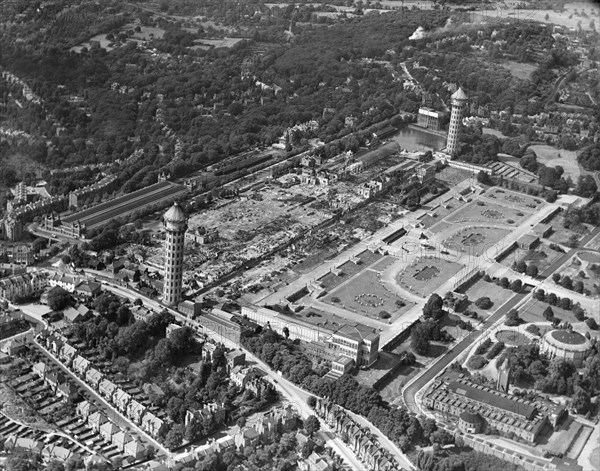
[530, 369]
[210, 102]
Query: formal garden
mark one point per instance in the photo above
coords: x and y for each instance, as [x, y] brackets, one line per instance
[484, 211]
[475, 240]
[425, 275]
[366, 294]
[509, 198]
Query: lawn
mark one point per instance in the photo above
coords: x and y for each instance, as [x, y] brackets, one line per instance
[427, 274]
[474, 240]
[485, 212]
[542, 257]
[481, 289]
[594, 243]
[512, 338]
[575, 268]
[533, 310]
[510, 198]
[519, 69]
[552, 157]
[561, 235]
[365, 294]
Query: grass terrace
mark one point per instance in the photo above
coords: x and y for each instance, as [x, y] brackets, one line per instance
[365, 294]
[427, 274]
[475, 240]
[483, 211]
[512, 199]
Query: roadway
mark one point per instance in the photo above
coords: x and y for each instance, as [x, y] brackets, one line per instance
[409, 393]
[119, 419]
[294, 394]
[563, 258]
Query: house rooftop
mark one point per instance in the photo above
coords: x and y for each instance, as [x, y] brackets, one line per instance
[492, 398]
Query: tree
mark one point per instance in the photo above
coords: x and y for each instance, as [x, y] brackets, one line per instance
[540, 295]
[312, 425]
[567, 282]
[311, 401]
[556, 278]
[484, 303]
[516, 285]
[484, 178]
[548, 313]
[520, 266]
[174, 436]
[419, 338]
[55, 465]
[532, 270]
[433, 307]
[442, 437]
[164, 352]
[182, 339]
[581, 400]
[58, 298]
[504, 283]
[512, 318]
[591, 323]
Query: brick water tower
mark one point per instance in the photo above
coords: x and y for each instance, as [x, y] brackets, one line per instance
[459, 100]
[175, 222]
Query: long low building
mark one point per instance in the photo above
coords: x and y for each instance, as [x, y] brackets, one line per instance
[77, 223]
[357, 342]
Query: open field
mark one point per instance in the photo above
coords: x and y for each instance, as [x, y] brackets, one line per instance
[566, 18]
[148, 32]
[365, 294]
[519, 69]
[486, 212]
[427, 274]
[224, 42]
[475, 240]
[552, 157]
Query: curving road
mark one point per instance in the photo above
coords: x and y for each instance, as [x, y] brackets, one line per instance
[295, 395]
[410, 392]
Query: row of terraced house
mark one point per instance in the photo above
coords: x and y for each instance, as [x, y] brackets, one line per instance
[121, 400]
[360, 441]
